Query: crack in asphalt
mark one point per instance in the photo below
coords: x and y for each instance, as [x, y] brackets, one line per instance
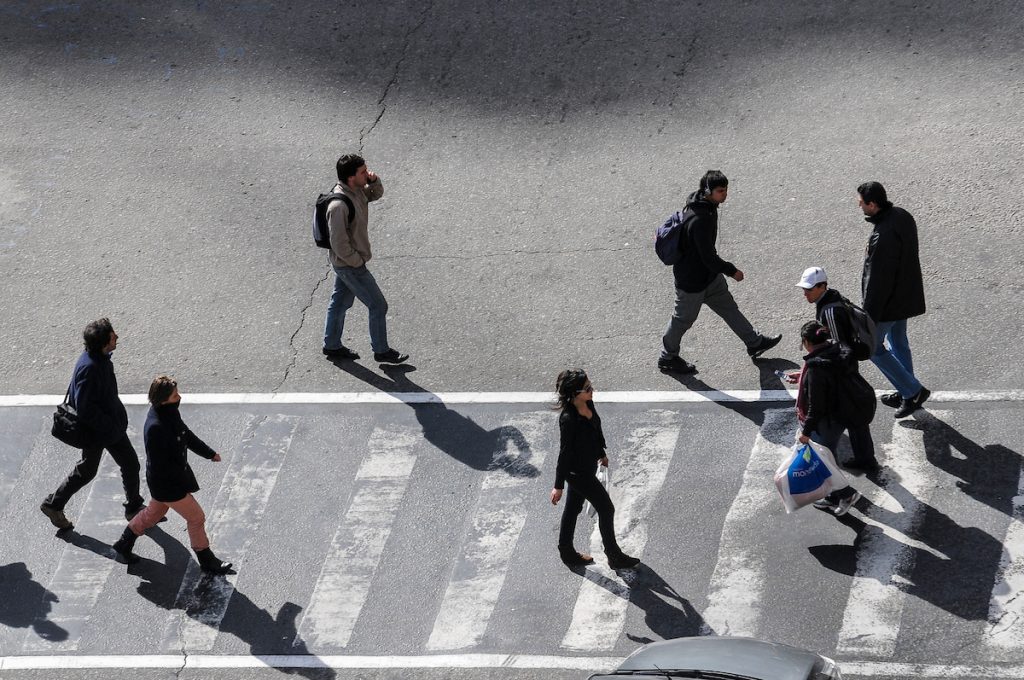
[302, 322]
[381, 103]
[688, 56]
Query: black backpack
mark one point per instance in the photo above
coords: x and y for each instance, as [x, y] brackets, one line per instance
[670, 237]
[856, 398]
[865, 338]
[322, 230]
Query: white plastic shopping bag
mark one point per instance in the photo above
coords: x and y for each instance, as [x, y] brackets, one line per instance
[808, 474]
[604, 475]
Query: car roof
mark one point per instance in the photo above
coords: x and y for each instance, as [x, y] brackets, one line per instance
[736, 655]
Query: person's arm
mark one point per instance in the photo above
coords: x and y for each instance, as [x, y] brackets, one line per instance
[836, 318]
[881, 280]
[375, 188]
[198, 446]
[814, 387]
[567, 432]
[702, 236]
[341, 244]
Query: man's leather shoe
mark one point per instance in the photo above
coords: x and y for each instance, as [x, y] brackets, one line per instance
[340, 353]
[910, 405]
[392, 356]
[676, 365]
[765, 344]
[891, 399]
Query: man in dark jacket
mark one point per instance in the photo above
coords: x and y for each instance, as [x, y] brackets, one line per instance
[700, 279]
[93, 393]
[893, 291]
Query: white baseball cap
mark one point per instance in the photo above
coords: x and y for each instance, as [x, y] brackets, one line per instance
[811, 277]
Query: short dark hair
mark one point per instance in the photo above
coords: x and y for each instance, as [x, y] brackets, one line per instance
[97, 335]
[814, 333]
[873, 192]
[348, 165]
[161, 389]
[711, 180]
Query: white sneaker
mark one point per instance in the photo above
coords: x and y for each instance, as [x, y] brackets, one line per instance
[844, 505]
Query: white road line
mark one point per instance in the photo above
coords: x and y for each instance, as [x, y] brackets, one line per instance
[1004, 634]
[81, 574]
[358, 544]
[738, 581]
[236, 516]
[501, 510]
[591, 664]
[640, 470]
[613, 397]
[874, 607]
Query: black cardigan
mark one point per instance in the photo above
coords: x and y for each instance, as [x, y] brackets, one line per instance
[582, 445]
[168, 439]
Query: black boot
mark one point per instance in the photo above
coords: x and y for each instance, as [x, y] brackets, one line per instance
[209, 563]
[572, 558]
[620, 560]
[123, 547]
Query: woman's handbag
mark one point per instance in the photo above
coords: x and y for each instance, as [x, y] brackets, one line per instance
[66, 426]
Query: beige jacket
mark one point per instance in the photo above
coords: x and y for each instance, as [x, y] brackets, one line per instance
[350, 245]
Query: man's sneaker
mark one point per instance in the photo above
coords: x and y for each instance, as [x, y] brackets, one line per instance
[824, 504]
[340, 353]
[891, 399]
[910, 405]
[57, 517]
[676, 365]
[392, 356]
[763, 345]
[844, 505]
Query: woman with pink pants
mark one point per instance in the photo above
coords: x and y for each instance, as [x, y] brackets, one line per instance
[170, 478]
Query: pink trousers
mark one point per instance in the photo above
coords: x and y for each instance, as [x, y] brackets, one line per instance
[187, 507]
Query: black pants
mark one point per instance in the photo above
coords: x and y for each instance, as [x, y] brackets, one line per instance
[863, 446]
[587, 488]
[123, 454]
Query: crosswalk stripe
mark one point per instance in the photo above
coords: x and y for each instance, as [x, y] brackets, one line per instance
[874, 607]
[238, 511]
[501, 510]
[81, 574]
[600, 611]
[1004, 633]
[358, 544]
[738, 581]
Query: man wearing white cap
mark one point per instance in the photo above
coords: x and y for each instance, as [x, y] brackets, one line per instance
[831, 311]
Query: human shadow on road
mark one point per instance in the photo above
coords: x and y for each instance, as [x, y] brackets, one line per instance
[988, 474]
[948, 565]
[755, 412]
[447, 429]
[666, 613]
[265, 634]
[25, 603]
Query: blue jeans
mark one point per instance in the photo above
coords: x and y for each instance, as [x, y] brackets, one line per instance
[351, 283]
[893, 358]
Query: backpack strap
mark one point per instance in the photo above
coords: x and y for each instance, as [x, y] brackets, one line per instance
[338, 196]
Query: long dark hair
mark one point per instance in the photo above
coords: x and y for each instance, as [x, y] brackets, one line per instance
[568, 384]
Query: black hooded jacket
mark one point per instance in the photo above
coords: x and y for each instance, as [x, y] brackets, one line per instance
[891, 284]
[835, 317]
[700, 263]
[168, 439]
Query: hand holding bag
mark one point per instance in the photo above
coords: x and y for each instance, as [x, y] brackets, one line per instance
[808, 474]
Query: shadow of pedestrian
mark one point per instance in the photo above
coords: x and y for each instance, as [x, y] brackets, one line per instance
[948, 565]
[989, 474]
[448, 430]
[265, 634]
[26, 603]
[666, 613]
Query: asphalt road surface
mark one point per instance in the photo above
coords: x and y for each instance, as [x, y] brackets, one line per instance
[158, 165]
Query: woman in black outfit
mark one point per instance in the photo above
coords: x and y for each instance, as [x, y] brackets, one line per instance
[582, 447]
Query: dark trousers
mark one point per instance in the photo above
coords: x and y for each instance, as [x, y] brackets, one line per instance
[587, 488]
[828, 433]
[123, 454]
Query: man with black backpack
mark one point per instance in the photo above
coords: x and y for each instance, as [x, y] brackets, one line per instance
[851, 329]
[699, 275]
[346, 215]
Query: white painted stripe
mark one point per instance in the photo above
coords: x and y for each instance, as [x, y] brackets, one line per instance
[640, 469]
[501, 510]
[620, 397]
[358, 544]
[592, 664]
[1004, 634]
[738, 582]
[874, 607]
[81, 574]
[237, 513]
